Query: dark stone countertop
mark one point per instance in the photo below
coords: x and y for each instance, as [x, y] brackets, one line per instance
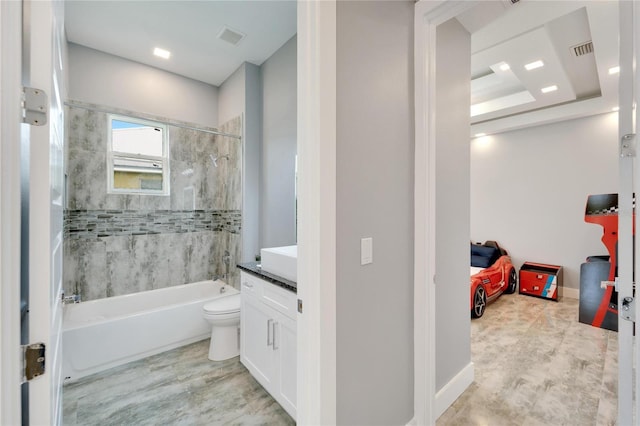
[255, 269]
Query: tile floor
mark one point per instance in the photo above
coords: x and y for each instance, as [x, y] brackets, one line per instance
[179, 387]
[535, 364]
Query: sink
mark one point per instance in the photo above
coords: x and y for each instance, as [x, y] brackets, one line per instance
[281, 261]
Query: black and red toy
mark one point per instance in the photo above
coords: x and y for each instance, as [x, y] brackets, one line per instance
[598, 303]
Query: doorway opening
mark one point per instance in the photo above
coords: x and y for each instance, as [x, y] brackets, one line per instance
[510, 134]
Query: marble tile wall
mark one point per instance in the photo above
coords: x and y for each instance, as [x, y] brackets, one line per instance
[118, 244]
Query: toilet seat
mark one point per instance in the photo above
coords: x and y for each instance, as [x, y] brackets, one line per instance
[223, 305]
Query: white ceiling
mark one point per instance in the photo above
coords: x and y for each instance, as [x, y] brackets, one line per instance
[540, 30]
[188, 29]
[501, 33]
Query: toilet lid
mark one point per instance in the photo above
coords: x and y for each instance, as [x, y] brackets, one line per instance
[223, 305]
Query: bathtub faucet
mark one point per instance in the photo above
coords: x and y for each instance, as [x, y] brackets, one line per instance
[74, 298]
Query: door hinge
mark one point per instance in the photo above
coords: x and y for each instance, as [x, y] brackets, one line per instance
[34, 106]
[628, 145]
[628, 310]
[300, 305]
[33, 361]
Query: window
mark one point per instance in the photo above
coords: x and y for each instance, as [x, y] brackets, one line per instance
[138, 160]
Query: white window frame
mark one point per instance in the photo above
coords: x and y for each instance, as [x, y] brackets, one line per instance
[112, 155]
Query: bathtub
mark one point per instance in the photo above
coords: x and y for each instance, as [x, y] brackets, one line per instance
[105, 333]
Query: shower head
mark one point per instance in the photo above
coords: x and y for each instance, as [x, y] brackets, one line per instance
[216, 158]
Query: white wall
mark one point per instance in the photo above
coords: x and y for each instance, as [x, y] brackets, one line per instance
[374, 190]
[279, 128]
[453, 65]
[529, 189]
[100, 78]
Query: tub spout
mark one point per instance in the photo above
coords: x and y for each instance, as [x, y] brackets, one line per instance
[74, 298]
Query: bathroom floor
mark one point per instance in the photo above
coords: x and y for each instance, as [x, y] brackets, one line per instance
[535, 364]
[179, 387]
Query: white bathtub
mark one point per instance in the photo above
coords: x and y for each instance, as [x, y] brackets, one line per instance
[105, 333]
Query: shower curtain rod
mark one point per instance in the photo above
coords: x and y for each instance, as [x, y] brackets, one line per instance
[144, 117]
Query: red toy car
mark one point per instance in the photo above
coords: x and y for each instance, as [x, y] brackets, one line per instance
[492, 274]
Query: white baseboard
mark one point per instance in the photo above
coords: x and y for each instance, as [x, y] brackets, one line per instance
[452, 390]
[571, 293]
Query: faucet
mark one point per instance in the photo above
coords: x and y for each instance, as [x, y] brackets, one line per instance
[74, 298]
[226, 259]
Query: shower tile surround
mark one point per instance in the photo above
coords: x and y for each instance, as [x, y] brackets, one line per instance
[116, 244]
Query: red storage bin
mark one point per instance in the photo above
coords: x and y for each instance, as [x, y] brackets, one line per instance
[541, 280]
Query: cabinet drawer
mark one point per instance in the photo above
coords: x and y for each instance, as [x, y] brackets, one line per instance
[541, 280]
[280, 299]
[250, 284]
[284, 301]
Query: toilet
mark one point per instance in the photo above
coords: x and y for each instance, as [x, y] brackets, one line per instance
[223, 314]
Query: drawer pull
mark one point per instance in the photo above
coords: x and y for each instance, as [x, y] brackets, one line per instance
[246, 284]
[275, 324]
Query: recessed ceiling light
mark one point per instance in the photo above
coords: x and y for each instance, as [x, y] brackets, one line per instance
[549, 89]
[165, 54]
[534, 65]
[614, 70]
[479, 135]
[505, 67]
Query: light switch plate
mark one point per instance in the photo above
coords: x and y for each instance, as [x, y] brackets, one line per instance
[366, 251]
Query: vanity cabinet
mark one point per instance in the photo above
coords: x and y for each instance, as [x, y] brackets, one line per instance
[269, 338]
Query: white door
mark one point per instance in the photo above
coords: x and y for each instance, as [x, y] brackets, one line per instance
[257, 340]
[629, 183]
[285, 345]
[42, 68]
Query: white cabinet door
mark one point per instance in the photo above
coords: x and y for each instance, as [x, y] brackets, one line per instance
[285, 344]
[256, 349]
[269, 342]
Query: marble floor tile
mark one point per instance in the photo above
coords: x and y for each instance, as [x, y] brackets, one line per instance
[535, 364]
[178, 387]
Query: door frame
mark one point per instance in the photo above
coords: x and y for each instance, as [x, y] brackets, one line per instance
[428, 15]
[10, 118]
[316, 147]
[629, 181]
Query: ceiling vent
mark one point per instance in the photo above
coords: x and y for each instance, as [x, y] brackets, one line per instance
[231, 36]
[583, 48]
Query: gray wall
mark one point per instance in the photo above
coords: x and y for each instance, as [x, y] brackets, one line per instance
[453, 68]
[231, 95]
[241, 94]
[279, 127]
[118, 244]
[252, 169]
[529, 189]
[375, 129]
[267, 98]
[99, 78]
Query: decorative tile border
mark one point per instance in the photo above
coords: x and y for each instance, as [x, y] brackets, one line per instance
[92, 224]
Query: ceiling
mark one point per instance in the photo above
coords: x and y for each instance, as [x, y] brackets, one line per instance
[517, 34]
[502, 33]
[188, 29]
